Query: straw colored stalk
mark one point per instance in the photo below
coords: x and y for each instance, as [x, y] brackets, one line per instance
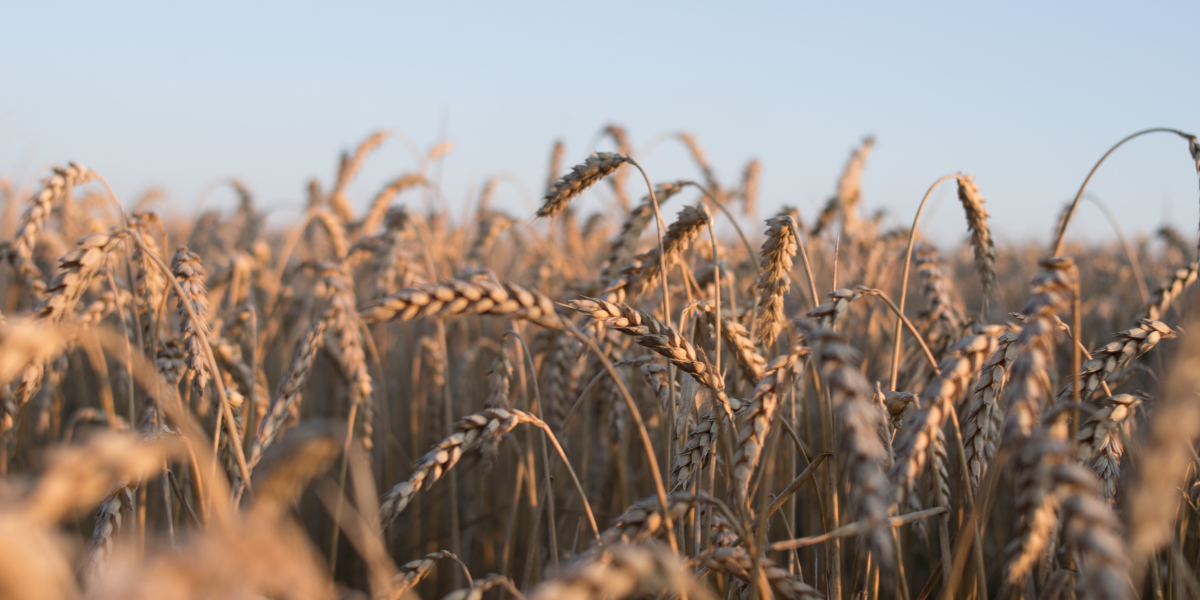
[583, 176]
[962, 361]
[1117, 355]
[773, 284]
[981, 237]
[457, 297]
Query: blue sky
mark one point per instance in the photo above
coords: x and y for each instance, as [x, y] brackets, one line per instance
[1025, 96]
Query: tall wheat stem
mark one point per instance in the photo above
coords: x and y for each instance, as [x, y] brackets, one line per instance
[912, 236]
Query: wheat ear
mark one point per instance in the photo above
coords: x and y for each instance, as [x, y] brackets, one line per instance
[583, 176]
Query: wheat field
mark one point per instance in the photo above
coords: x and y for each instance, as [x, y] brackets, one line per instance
[408, 401]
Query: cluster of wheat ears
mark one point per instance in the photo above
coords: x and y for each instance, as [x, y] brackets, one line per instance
[399, 403]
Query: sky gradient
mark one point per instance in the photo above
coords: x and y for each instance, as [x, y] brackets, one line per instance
[1026, 97]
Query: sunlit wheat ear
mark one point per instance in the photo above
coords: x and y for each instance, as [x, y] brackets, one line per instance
[922, 428]
[940, 320]
[679, 237]
[33, 220]
[596, 167]
[1168, 291]
[499, 384]
[983, 417]
[621, 571]
[749, 193]
[1117, 355]
[469, 433]
[753, 435]
[625, 244]
[735, 561]
[861, 452]
[457, 297]
[1101, 442]
[773, 285]
[977, 222]
[188, 271]
[290, 388]
[1053, 289]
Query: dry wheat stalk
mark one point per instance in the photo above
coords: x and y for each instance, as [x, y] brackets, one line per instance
[1052, 290]
[981, 237]
[962, 360]
[33, 220]
[1168, 291]
[583, 176]
[982, 419]
[773, 284]
[456, 297]
[1117, 355]
[188, 271]
[1100, 440]
[680, 235]
[862, 452]
[469, 432]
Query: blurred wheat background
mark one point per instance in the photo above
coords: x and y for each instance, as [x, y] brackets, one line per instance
[655, 365]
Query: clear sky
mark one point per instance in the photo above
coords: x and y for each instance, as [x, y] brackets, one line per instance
[1024, 95]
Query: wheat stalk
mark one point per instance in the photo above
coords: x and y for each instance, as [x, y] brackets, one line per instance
[680, 235]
